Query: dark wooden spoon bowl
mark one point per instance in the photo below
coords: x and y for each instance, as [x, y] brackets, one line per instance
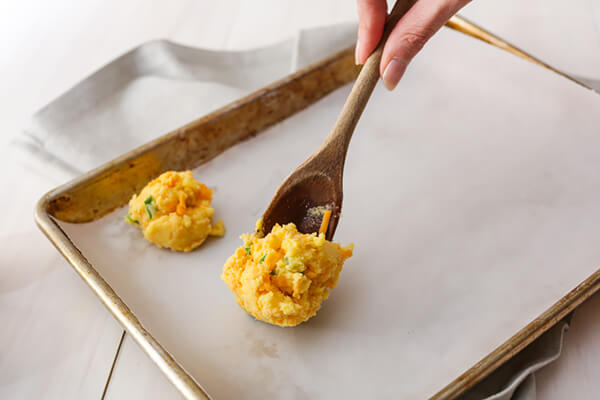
[303, 199]
[316, 185]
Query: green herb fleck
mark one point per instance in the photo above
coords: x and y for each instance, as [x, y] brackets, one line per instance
[287, 260]
[295, 265]
[262, 258]
[133, 221]
[248, 251]
[149, 211]
[150, 206]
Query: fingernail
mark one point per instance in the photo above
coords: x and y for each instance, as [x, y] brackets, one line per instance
[393, 72]
[356, 54]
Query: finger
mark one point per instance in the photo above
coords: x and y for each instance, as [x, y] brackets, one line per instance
[410, 35]
[371, 18]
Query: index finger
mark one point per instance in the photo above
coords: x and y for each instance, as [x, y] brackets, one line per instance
[371, 19]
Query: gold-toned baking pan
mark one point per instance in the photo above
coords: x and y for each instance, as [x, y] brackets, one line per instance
[98, 192]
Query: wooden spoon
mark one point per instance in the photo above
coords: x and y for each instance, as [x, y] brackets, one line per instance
[316, 185]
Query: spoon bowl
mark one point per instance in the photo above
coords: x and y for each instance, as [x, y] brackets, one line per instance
[304, 202]
[316, 185]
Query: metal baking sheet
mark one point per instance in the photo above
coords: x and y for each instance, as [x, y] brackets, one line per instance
[471, 200]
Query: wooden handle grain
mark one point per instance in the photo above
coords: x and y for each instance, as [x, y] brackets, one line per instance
[340, 135]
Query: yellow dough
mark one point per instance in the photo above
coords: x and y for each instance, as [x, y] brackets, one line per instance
[174, 211]
[284, 277]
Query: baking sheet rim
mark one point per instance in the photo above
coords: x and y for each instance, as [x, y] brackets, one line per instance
[180, 378]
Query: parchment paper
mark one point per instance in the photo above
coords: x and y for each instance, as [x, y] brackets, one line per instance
[471, 195]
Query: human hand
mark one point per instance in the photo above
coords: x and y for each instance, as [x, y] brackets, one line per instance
[408, 37]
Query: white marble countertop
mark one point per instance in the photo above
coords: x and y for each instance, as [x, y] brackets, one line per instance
[57, 340]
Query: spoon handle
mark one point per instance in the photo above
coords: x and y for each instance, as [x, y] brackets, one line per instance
[336, 143]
